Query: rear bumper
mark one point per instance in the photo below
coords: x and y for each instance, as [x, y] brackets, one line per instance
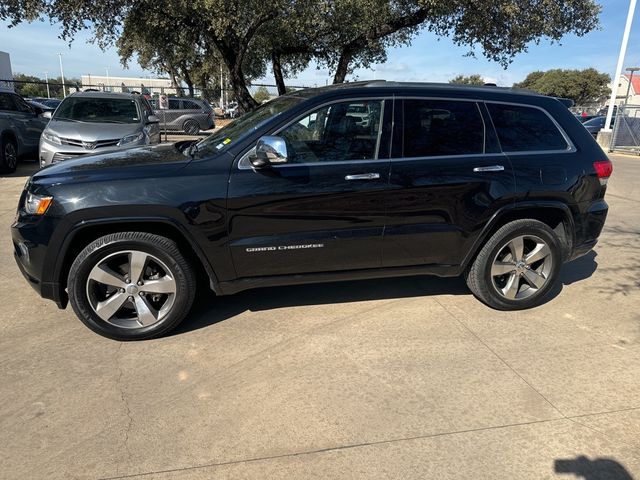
[589, 225]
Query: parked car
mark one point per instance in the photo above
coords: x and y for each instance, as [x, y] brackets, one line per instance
[41, 106]
[444, 179]
[596, 124]
[584, 118]
[20, 127]
[49, 102]
[96, 122]
[188, 115]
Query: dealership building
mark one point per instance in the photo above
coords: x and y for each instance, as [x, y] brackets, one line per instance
[151, 86]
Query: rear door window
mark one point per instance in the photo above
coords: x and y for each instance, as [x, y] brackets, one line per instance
[174, 104]
[441, 127]
[525, 129]
[190, 105]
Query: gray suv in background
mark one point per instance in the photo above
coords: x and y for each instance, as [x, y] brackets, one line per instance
[188, 115]
[96, 122]
[20, 127]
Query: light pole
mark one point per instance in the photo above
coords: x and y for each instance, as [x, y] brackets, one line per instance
[46, 79]
[108, 80]
[632, 70]
[616, 77]
[64, 92]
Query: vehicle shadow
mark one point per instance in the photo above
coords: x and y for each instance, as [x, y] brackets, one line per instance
[25, 168]
[209, 310]
[596, 469]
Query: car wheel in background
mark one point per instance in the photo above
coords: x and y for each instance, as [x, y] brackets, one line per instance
[8, 155]
[517, 266]
[191, 127]
[131, 286]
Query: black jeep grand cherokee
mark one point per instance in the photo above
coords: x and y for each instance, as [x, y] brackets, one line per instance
[365, 180]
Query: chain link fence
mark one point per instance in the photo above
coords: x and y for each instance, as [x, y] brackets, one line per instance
[626, 130]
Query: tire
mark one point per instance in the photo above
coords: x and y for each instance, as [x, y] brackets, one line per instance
[130, 310]
[495, 274]
[8, 155]
[191, 127]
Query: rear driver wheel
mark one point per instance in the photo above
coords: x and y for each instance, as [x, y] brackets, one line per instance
[131, 286]
[191, 127]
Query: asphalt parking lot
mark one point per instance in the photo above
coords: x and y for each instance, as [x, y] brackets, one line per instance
[398, 378]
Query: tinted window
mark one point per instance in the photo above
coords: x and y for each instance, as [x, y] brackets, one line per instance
[21, 105]
[7, 103]
[442, 127]
[595, 122]
[525, 129]
[189, 105]
[174, 103]
[98, 110]
[336, 132]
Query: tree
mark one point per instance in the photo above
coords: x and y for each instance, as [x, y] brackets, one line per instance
[582, 86]
[261, 95]
[473, 79]
[339, 34]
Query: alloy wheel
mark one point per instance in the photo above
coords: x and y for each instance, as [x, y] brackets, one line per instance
[10, 155]
[521, 267]
[131, 289]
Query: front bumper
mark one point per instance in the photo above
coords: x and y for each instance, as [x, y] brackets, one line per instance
[53, 153]
[30, 255]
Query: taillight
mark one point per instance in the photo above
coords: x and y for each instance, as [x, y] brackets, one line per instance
[604, 169]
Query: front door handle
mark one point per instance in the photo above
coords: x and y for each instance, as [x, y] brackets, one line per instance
[363, 176]
[491, 168]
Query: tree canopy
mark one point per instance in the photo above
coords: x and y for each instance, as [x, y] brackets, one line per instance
[474, 79]
[582, 86]
[191, 40]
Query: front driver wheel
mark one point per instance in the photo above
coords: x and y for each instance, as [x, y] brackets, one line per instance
[131, 286]
[517, 267]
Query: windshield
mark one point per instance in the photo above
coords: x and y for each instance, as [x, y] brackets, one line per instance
[236, 130]
[595, 122]
[98, 110]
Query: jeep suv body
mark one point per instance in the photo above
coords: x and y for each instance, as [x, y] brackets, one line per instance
[501, 186]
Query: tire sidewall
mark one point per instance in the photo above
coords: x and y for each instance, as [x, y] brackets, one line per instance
[77, 282]
[546, 235]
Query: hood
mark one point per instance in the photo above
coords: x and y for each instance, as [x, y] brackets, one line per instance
[140, 162]
[91, 132]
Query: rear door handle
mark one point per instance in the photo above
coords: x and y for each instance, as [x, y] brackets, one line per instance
[491, 168]
[363, 176]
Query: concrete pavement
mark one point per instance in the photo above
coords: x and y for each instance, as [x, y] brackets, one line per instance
[399, 378]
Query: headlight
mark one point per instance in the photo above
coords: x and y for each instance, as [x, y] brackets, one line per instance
[36, 204]
[131, 138]
[50, 137]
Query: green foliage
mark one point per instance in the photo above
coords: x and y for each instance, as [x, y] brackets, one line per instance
[582, 86]
[473, 79]
[190, 39]
[39, 88]
[261, 95]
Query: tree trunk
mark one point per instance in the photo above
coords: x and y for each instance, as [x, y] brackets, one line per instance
[277, 73]
[343, 65]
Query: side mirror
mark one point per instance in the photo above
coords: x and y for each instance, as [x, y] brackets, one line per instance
[38, 111]
[46, 114]
[153, 119]
[270, 150]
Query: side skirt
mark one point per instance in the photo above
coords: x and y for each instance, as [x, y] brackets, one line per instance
[235, 286]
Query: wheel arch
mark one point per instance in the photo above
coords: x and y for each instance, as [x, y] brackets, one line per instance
[86, 232]
[556, 215]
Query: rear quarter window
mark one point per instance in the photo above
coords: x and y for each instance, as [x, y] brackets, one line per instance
[525, 129]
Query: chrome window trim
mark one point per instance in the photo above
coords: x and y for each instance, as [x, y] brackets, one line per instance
[571, 148]
[244, 164]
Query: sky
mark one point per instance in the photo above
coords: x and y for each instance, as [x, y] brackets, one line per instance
[34, 50]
